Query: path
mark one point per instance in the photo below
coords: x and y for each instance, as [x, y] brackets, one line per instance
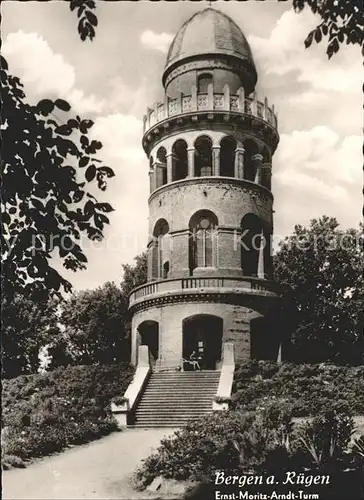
[101, 469]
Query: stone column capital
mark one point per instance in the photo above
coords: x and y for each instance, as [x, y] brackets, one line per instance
[216, 146]
[239, 149]
[257, 156]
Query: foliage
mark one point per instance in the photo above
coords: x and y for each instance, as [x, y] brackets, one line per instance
[87, 19]
[119, 400]
[258, 384]
[342, 21]
[93, 326]
[325, 440]
[47, 207]
[45, 413]
[241, 443]
[358, 446]
[320, 269]
[134, 275]
[26, 327]
[96, 323]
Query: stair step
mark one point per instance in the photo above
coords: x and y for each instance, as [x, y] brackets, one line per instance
[172, 399]
[173, 409]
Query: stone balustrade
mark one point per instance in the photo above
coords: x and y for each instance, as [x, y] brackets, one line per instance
[154, 288]
[210, 101]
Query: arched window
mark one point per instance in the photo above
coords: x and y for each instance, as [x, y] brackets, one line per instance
[203, 82]
[203, 244]
[203, 156]
[251, 238]
[251, 148]
[161, 250]
[161, 167]
[180, 162]
[227, 156]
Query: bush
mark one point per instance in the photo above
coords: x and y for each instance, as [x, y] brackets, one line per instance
[231, 441]
[44, 413]
[260, 443]
[257, 383]
[323, 443]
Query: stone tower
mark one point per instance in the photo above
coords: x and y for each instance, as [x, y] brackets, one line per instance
[210, 146]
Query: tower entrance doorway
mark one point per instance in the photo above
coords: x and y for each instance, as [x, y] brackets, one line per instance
[202, 335]
[148, 333]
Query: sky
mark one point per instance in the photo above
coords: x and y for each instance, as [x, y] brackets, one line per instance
[114, 78]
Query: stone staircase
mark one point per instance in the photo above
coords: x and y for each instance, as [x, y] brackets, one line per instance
[170, 399]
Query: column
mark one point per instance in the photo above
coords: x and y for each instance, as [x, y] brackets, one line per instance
[261, 270]
[191, 162]
[267, 175]
[257, 162]
[239, 162]
[169, 157]
[152, 180]
[216, 160]
[158, 175]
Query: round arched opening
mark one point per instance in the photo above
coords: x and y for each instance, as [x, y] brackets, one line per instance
[203, 156]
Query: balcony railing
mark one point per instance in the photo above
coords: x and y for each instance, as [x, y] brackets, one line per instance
[210, 101]
[200, 283]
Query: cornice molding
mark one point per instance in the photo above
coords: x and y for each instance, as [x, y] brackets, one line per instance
[236, 298]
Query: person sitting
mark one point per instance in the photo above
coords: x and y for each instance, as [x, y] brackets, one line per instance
[195, 361]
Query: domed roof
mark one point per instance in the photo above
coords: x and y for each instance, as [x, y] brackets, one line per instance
[209, 32]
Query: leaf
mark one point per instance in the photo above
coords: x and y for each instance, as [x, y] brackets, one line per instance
[85, 125]
[5, 218]
[318, 34]
[3, 63]
[83, 161]
[89, 208]
[73, 123]
[91, 17]
[90, 173]
[62, 104]
[78, 195]
[309, 39]
[84, 140]
[106, 171]
[37, 204]
[64, 130]
[81, 257]
[45, 106]
[104, 207]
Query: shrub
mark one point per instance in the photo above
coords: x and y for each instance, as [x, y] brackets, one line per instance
[231, 441]
[44, 413]
[323, 442]
[338, 388]
[261, 443]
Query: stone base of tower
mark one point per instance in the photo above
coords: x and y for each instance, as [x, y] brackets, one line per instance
[203, 323]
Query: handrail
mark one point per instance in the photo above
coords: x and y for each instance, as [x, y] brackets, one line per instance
[209, 101]
[189, 283]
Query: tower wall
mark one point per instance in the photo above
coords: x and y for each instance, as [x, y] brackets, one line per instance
[236, 319]
[209, 145]
[229, 201]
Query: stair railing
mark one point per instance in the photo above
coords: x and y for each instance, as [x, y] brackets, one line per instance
[223, 394]
[124, 411]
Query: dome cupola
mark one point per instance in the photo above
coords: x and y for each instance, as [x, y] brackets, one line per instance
[212, 47]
